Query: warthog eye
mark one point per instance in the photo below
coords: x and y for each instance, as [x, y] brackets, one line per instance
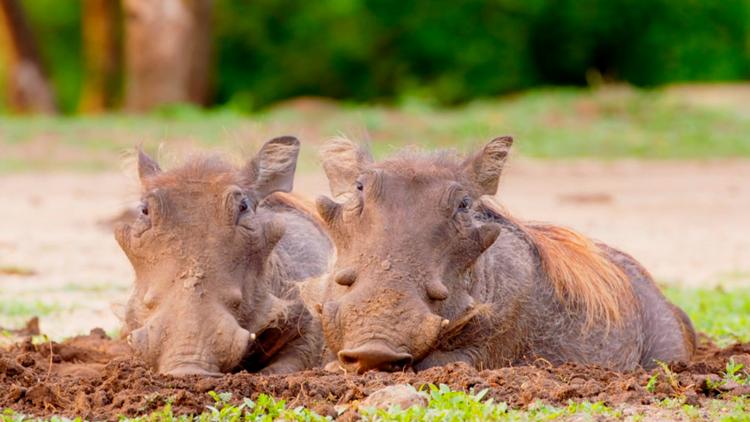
[465, 204]
[244, 205]
[144, 208]
[359, 186]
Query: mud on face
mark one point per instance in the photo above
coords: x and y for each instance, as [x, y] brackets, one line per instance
[405, 236]
[199, 248]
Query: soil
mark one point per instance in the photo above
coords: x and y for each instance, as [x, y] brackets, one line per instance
[97, 378]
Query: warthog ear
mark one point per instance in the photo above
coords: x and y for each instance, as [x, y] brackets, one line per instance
[147, 167]
[343, 162]
[484, 168]
[272, 169]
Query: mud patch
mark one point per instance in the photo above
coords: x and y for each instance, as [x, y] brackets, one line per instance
[97, 378]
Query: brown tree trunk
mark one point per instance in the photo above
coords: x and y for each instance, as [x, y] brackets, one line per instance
[101, 50]
[167, 52]
[201, 52]
[29, 90]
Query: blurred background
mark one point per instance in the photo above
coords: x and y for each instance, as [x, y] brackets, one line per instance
[631, 120]
[88, 56]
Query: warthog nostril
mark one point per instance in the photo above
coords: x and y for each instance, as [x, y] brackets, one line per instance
[374, 355]
[347, 359]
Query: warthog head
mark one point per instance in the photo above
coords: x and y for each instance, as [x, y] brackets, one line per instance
[200, 252]
[406, 236]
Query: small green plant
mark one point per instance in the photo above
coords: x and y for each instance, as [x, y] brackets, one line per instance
[444, 404]
[733, 373]
[712, 385]
[651, 384]
[692, 412]
[670, 376]
[722, 313]
[265, 408]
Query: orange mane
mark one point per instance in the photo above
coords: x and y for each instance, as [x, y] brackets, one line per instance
[581, 272]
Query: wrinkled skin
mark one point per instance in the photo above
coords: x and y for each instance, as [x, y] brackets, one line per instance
[424, 274]
[217, 254]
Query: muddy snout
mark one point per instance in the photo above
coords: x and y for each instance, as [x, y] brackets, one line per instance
[374, 355]
[191, 349]
[385, 332]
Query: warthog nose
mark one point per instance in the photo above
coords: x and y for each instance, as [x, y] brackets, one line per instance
[374, 355]
[184, 370]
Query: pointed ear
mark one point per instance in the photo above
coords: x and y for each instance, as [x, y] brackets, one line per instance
[147, 167]
[484, 168]
[343, 162]
[272, 169]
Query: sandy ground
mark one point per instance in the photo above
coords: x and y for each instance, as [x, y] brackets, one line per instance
[688, 222]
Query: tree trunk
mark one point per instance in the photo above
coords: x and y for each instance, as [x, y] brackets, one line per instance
[167, 52]
[29, 90]
[102, 52]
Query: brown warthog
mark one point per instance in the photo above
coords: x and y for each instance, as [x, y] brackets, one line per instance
[427, 271]
[217, 252]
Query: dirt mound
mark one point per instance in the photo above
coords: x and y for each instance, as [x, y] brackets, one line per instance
[95, 377]
[30, 329]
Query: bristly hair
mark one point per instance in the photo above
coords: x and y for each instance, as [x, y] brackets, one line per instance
[197, 169]
[442, 164]
[214, 169]
[580, 271]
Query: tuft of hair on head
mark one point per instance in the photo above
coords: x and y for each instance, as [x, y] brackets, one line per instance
[197, 168]
[582, 274]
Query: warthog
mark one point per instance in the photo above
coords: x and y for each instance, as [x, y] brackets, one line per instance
[428, 270]
[217, 252]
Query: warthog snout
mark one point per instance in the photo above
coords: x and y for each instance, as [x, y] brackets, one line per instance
[374, 355]
[184, 370]
[190, 349]
[385, 331]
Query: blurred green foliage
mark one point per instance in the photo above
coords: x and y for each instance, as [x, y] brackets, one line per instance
[439, 51]
[57, 28]
[643, 42]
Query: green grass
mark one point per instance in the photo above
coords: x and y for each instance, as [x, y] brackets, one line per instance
[14, 313]
[443, 405]
[95, 287]
[10, 308]
[722, 313]
[612, 122]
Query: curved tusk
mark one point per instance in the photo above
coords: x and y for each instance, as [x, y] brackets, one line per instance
[445, 323]
[252, 336]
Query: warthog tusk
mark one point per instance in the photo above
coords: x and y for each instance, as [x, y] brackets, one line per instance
[252, 336]
[445, 323]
